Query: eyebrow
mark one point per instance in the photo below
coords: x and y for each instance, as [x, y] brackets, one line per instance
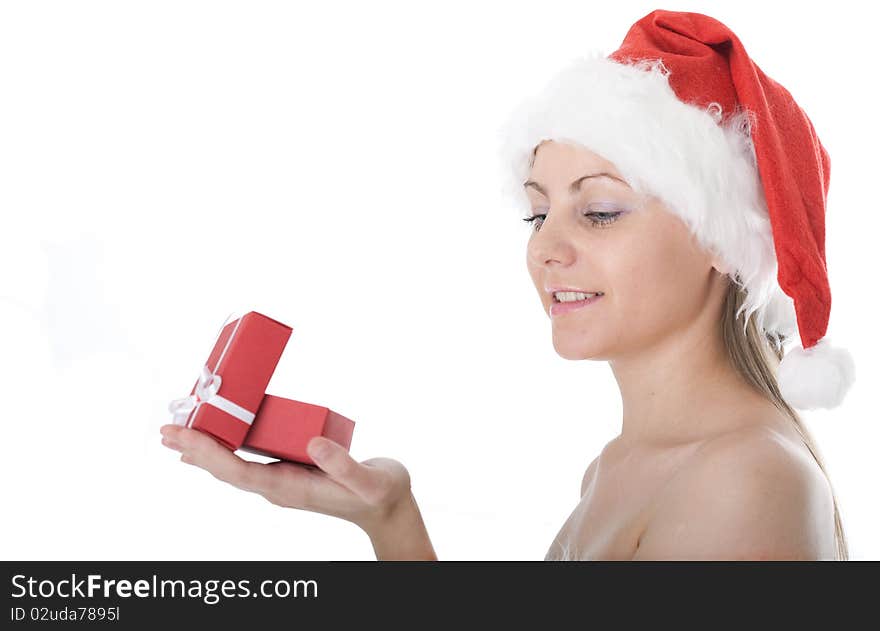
[574, 186]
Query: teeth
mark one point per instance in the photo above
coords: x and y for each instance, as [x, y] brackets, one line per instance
[571, 296]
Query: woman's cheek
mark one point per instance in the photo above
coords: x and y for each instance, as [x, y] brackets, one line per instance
[653, 280]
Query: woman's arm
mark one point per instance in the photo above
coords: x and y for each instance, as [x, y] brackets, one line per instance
[374, 494]
[402, 535]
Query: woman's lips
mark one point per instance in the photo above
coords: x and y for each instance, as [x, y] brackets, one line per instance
[559, 308]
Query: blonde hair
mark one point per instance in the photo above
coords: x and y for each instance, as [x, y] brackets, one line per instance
[757, 358]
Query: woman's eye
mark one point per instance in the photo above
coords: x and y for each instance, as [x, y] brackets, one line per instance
[598, 219]
[535, 217]
[603, 218]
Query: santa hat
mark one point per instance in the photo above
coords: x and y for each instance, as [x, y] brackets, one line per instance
[685, 115]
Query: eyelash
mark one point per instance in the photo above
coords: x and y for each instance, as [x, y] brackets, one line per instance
[610, 217]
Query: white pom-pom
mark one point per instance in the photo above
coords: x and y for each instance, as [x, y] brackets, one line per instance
[817, 377]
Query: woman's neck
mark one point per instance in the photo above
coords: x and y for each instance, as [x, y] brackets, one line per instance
[685, 389]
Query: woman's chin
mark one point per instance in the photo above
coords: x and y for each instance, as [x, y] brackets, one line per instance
[575, 352]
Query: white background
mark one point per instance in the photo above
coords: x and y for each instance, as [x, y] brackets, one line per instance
[332, 165]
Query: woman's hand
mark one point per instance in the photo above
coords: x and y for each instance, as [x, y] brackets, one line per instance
[366, 493]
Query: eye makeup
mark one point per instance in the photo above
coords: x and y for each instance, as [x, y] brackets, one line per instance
[600, 214]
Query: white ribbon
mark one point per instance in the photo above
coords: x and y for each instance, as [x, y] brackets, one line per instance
[184, 409]
[206, 393]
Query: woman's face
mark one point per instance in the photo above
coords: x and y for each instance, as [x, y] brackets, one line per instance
[604, 237]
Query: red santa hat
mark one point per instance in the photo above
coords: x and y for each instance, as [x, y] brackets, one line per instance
[685, 115]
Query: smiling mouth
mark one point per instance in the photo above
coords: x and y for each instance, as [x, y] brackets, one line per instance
[590, 296]
[558, 308]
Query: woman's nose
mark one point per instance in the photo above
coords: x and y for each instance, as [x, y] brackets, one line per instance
[551, 241]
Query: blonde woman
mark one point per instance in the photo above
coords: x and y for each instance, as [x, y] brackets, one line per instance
[675, 197]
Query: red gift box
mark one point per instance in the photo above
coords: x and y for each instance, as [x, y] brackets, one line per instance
[228, 393]
[283, 428]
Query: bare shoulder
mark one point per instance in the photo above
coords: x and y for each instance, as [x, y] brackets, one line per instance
[754, 454]
[588, 476]
[750, 494]
[609, 451]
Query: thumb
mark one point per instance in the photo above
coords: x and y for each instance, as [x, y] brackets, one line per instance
[335, 461]
[320, 448]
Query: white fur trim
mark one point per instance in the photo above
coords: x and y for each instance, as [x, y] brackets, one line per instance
[705, 173]
[818, 377]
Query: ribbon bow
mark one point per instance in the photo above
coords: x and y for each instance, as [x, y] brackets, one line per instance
[206, 393]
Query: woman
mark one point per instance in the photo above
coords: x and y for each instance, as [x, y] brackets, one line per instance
[677, 232]
[709, 463]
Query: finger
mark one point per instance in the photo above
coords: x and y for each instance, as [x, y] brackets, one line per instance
[201, 450]
[169, 436]
[334, 459]
[308, 487]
